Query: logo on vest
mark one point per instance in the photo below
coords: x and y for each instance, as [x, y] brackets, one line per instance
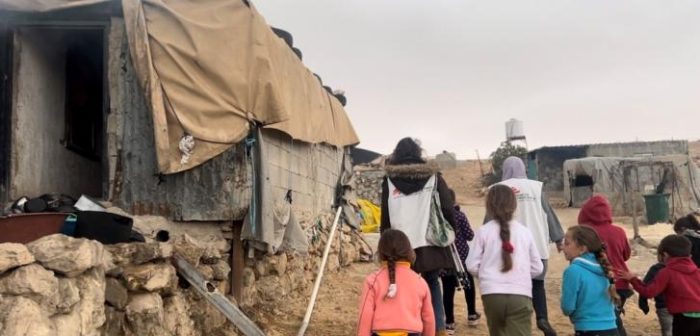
[515, 190]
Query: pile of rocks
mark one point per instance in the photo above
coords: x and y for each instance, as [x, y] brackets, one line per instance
[268, 279]
[368, 183]
[59, 285]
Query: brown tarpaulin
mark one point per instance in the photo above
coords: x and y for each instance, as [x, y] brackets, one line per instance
[211, 67]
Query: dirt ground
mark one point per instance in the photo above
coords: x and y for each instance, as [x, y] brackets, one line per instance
[336, 308]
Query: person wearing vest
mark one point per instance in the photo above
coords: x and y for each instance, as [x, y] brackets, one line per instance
[535, 212]
[406, 192]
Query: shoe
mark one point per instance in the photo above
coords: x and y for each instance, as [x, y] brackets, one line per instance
[543, 324]
[473, 319]
[450, 329]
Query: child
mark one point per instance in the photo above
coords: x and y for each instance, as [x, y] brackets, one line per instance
[463, 234]
[395, 300]
[678, 281]
[505, 259]
[588, 294]
[597, 213]
[689, 227]
[665, 318]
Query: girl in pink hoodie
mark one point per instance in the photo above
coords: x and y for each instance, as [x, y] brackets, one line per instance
[395, 300]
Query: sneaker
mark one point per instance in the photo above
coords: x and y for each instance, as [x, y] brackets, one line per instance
[450, 328]
[473, 319]
[543, 324]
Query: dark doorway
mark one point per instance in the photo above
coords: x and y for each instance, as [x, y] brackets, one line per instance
[58, 108]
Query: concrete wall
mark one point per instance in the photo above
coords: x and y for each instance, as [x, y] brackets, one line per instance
[550, 163]
[639, 148]
[40, 162]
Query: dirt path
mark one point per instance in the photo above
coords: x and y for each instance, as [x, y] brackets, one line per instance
[336, 308]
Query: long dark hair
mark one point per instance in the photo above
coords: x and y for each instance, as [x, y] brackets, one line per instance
[501, 205]
[585, 236]
[407, 151]
[394, 246]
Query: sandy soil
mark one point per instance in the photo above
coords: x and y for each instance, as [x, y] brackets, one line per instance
[336, 308]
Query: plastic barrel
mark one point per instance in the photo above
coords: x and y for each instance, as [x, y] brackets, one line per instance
[657, 208]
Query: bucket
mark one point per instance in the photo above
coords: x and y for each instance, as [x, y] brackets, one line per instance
[28, 227]
[657, 208]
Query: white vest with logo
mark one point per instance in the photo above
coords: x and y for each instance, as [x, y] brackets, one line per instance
[411, 213]
[530, 212]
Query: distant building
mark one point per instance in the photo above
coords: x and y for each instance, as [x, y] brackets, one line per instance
[546, 163]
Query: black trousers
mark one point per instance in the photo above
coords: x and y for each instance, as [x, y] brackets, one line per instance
[685, 326]
[449, 284]
[539, 299]
[611, 332]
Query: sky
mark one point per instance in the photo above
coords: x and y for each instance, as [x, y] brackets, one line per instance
[451, 73]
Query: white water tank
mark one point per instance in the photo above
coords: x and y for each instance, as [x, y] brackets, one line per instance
[514, 130]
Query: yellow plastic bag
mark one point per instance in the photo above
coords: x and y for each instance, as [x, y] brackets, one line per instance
[371, 216]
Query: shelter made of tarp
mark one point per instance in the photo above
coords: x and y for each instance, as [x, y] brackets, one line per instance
[608, 177]
[210, 69]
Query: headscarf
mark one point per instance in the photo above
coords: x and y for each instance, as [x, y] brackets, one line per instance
[513, 167]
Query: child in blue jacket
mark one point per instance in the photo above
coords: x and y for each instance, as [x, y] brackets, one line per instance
[588, 294]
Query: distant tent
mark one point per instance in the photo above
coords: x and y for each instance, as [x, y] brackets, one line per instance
[625, 180]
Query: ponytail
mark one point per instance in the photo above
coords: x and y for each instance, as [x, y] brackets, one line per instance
[501, 205]
[391, 267]
[602, 259]
[506, 246]
[394, 247]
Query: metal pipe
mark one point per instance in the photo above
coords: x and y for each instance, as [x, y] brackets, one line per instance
[319, 276]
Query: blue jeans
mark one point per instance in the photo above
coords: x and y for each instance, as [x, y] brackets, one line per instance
[433, 280]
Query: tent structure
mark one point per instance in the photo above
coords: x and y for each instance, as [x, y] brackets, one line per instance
[624, 181]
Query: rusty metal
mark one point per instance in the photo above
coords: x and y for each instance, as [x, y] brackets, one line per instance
[215, 298]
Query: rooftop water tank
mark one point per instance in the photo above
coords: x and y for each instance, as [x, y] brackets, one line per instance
[514, 130]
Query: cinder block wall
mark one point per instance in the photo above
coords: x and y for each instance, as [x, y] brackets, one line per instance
[310, 170]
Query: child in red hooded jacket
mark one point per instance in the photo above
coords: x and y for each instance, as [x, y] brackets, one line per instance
[597, 213]
[678, 282]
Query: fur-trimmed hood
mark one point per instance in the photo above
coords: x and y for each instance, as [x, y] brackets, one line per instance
[417, 171]
[409, 178]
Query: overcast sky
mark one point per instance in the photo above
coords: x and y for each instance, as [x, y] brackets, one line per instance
[451, 73]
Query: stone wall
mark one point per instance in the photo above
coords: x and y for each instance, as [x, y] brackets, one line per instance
[368, 183]
[270, 278]
[59, 285]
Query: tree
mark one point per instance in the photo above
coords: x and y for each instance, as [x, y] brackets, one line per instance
[501, 154]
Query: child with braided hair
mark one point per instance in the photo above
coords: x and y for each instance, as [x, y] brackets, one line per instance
[588, 293]
[505, 259]
[395, 300]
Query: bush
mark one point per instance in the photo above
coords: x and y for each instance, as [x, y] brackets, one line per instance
[501, 154]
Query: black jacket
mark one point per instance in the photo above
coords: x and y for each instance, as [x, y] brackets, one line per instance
[659, 300]
[409, 178]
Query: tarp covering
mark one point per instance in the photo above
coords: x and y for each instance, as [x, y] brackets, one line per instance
[210, 68]
[645, 174]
